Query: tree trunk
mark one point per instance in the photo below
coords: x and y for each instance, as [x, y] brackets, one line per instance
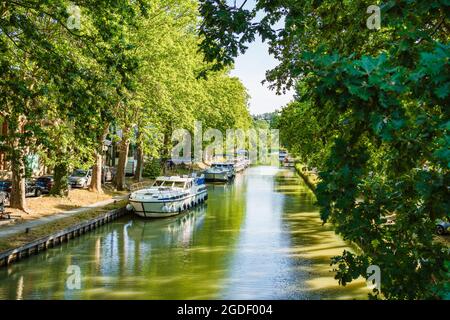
[97, 172]
[167, 147]
[96, 181]
[17, 158]
[61, 184]
[140, 163]
[123, 159]
[17, 198]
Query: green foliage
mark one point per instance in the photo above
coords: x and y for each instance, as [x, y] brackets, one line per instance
[131, 65]
[302, 133]
[374, 105]
[168, 94]
[58, 83]
[152, 168]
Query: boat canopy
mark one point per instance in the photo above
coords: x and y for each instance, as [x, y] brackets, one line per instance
[177, 181]
[221, 164]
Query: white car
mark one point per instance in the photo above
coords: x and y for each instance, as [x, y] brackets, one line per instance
[442, 227]
[80, 178]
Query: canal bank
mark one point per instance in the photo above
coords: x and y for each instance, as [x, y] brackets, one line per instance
[307, 178]
[16, 239]
[311, 179]
[57, 238]
[257, 238]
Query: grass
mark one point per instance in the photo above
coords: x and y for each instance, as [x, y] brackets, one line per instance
[310, 180]
[36, 233]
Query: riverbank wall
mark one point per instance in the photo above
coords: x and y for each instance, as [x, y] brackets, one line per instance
[311, 183]
[57, 238]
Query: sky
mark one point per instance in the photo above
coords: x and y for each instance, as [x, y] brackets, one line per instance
[251, 69]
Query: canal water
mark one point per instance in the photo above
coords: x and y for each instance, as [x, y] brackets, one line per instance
[257, 238]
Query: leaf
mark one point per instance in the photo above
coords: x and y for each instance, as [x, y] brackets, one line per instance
[442, 91]
[367, 64]
[375, 243]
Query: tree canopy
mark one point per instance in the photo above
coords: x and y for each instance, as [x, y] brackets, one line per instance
[374, 104]
[73, 70]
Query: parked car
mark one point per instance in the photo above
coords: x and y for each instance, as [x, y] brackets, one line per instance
[45, 183]
[108, 174]
[80, 178]
[5, 186]
[3, 199]
[31, 188]
[442, 227]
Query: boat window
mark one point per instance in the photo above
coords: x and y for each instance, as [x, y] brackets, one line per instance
[158, 183]
[178, 184]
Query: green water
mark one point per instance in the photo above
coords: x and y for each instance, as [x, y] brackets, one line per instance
[258, 238]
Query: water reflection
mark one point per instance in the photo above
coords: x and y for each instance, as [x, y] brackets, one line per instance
[311, 244]
[170, 232]
[258, 238]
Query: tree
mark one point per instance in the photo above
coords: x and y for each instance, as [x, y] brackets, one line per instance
[41, 51]
[131, 65]
[382, 97]
[168, 94]
[301, 132]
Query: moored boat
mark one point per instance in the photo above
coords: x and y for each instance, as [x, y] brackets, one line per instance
[282, 155]
[220, 172]
[169, 196]
[240, 164]
[289, 162]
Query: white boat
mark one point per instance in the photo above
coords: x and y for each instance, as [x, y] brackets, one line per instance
[220, 172]
[240, 164]
[289, 162]
[169, 196]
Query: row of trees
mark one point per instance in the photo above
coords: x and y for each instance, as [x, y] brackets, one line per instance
[70, 71]
[371, 112]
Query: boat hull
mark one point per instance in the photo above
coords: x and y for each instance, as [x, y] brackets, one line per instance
[162, 209]
[218, 177]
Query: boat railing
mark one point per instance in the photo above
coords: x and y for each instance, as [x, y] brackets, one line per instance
[139, 186]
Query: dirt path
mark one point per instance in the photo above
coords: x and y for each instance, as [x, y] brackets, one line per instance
[11, 229]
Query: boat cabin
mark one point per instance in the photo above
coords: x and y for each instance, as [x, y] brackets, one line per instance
[223, 165]
[173, 182]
